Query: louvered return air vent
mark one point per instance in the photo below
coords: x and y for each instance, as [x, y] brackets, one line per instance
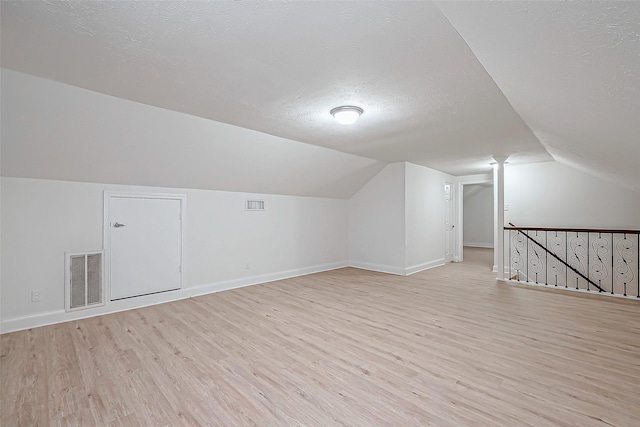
[255, 205]
[84, 284]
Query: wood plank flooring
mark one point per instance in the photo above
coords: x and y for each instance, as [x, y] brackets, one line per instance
[449, 346]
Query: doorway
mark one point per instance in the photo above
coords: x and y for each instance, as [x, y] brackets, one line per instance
[478, 216]
[144, 243]
[478, 224]
[473, 209]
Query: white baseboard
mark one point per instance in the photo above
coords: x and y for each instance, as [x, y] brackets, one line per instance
[400, 271]
[390, 269]
[570, 289]
[424, 266]
[478, 245]
[59, 316]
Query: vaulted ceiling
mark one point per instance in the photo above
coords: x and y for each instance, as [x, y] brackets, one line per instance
[571, 70]
[447, 85]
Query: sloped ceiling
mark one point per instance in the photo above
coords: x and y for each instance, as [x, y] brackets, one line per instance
[471, 190]
[279, 68]
[51, 130]
[571, 70]
[433, 92]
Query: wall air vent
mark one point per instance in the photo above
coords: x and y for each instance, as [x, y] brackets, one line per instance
[254, 205]
[84, 280]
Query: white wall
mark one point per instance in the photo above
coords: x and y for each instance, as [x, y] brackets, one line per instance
[396, 221]
[43, 219]
[424, 217]
[552, 194]
[478, 215]
[377, 222]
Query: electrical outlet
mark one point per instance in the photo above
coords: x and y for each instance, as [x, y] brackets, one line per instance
[36, 296]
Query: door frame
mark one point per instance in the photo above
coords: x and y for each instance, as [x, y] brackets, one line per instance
[452, 215]
[106, 227]
[458, 245]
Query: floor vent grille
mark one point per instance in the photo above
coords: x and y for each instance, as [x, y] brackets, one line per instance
[84, 280]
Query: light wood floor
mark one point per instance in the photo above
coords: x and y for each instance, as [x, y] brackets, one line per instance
[448, 346]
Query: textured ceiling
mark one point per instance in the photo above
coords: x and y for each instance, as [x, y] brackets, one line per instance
[279, 67]
[51, 130]
[572, 72]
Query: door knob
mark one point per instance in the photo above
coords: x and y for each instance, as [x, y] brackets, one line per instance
[117, 225]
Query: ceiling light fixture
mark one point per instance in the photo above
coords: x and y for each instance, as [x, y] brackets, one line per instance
[346, 114]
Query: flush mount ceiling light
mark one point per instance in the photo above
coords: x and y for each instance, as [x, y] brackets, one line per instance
[346, 114]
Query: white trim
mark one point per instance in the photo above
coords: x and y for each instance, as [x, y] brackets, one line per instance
[481, 178]
[478, 245]
[399, 271]
[106, 241]
[390, 269]
[59, 316]
[451, 239]
[424, 266]
[562, 288]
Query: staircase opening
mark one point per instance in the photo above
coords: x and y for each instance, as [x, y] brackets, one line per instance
[601, 261]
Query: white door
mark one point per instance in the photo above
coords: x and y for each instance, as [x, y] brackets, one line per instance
[448, 222]
[145, 245]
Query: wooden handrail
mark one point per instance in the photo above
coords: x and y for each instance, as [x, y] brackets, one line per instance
[572, 230]
[521, 231]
